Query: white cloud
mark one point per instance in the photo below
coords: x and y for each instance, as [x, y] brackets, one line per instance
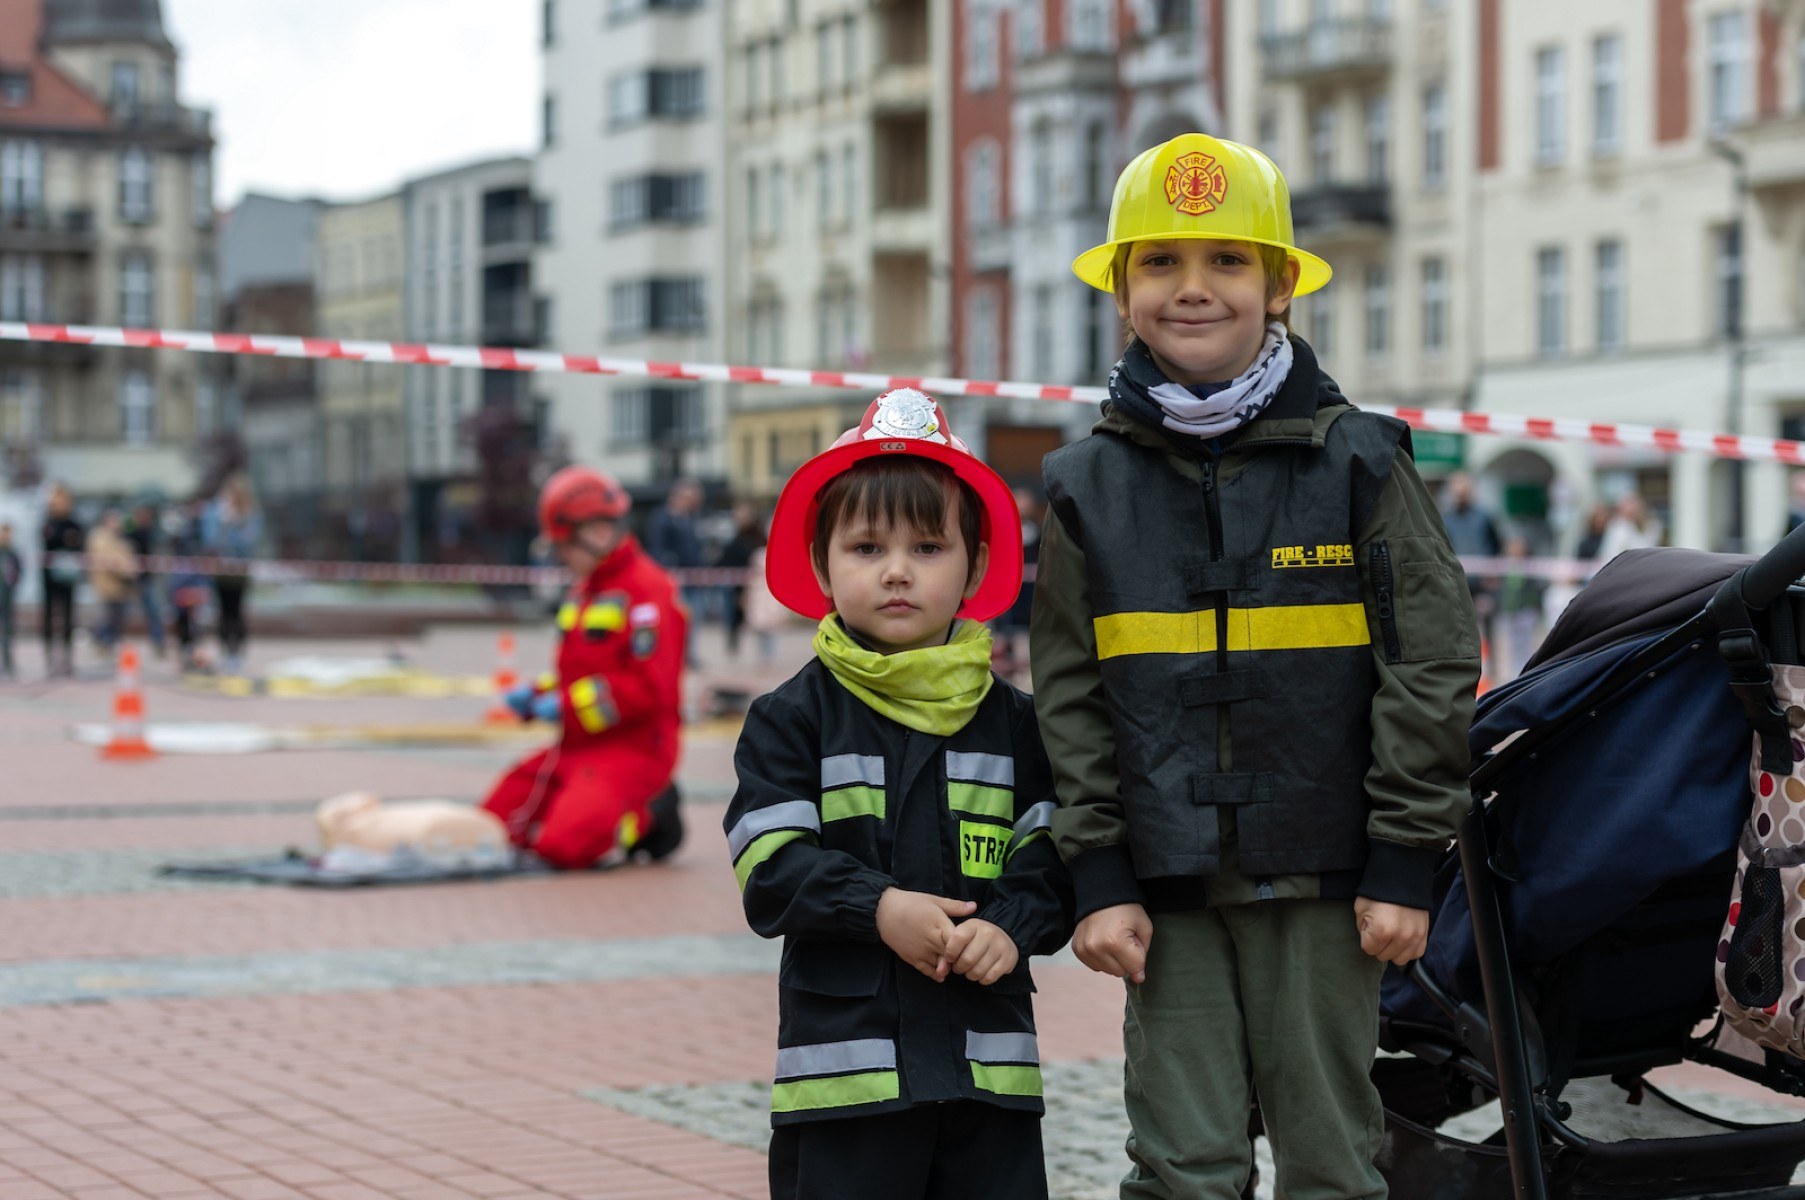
[344, 99]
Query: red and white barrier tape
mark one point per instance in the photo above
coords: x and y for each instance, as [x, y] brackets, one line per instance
[1441, 420]
[264, 570]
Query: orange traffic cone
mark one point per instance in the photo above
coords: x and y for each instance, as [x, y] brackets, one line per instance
[128, 713]
[505, 681]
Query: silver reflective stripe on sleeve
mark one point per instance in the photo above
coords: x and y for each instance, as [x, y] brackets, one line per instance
[791, 814]
[997, 770]
[836, 1058]
[1037, 818]
[1002, 1048]
[843, 769]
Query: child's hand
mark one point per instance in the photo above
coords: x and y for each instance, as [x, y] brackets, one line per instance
[917, 925]
[1114, 941]
[1390, 932]
[981, 952]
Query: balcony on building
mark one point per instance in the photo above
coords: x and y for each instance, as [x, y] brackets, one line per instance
[509, 227]
[47, 231]
[510, 315]
[1341, 213]
[902, 220]
[1169, 51]
[904, 77]
[165, 119]
[1326, 51]
[1774, 150]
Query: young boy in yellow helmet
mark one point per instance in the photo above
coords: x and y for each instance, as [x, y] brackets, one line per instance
[1254, 662]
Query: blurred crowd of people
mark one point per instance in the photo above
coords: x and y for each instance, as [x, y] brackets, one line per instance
[110, 553]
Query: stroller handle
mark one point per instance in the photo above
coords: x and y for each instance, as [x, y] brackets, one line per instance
[1768, 577]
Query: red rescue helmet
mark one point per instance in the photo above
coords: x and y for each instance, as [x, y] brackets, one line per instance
[578, 494]
[901, 421]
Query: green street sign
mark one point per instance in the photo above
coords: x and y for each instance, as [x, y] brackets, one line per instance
[1433, 449]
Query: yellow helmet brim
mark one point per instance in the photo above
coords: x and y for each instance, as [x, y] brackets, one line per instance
[1096, 266]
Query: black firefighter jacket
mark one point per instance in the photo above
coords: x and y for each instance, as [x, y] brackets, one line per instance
[835, 804]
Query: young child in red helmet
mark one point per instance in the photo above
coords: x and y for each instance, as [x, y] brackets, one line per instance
[891, 825]
[606, 784]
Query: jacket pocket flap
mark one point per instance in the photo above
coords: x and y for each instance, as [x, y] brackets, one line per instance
[833, 968]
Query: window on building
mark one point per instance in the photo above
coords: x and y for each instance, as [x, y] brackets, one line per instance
[21, 287]
[674, 305]
[1041, 338]
[1550, 111]
[755, 77]
[1322, 144]
[824, 190]
[21, 176]
[1088, 25]
[206, 406]
[1378, 139]
[137, 408]
[755, 203]
[1100, 324]
[1270, 19]
[776, 197]
[1040, 166]
[1435, 137]
[630, 408]
[1551, 301]
[849, 183]
[15, 88]
[200, 171]
[1322, 324]
[659, 198]
[136, 284]
[21, 406]
[1610, 278]
[1377, 297]
[135, 199]
[548, 23]
[849, 52]
[1798, 63]
[125, 97]
[677, 92]
[1030, 31]
[1729, 279]
[1435, 306]
[1174, 16]
[203, 294]
[1269, 137]
[982, 68]
[824, 57]
[983, 345]
[1607, 95]
[774, 63]
[548, 120]
[983, 182]
[1097, 175]
[1727, 53]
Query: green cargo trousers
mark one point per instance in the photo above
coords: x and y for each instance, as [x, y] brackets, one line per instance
[1275, 999]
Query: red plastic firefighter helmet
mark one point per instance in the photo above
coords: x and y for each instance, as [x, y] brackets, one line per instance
[578, 494]
[901, 421]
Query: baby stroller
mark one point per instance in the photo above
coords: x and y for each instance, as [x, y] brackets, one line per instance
[1577, 924]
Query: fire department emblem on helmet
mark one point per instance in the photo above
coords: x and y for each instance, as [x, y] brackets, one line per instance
[1195, 184]
[906, 413]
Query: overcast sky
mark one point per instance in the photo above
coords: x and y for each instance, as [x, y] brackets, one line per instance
[344, 99]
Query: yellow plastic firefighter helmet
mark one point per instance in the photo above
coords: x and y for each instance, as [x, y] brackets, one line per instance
[1197, 186]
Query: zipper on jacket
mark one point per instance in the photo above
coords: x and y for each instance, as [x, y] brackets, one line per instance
[1388, 622]
[1212, 507]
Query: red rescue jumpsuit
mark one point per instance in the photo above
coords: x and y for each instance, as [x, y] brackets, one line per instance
[619, 676]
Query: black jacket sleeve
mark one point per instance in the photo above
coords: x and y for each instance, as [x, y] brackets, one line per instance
[1031, 900]
[789, 883]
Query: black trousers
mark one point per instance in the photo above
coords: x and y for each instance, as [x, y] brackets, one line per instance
[59, 608]
[229, 590]
[959, 1151]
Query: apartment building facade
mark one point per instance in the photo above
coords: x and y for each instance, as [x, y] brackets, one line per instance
[106, 217]
[630, 261]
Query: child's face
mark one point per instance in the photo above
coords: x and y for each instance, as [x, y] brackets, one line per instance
[899, 587]
[1201, 307]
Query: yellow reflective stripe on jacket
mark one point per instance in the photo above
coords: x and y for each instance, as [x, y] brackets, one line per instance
[840, 1091]
[1006, 1080]
[586, 700]
[852, 802]
[609, 617]
[1279, 627]
[762, 847]
[981, 800]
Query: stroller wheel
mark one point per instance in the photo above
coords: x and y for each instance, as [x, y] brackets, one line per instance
[667, 828]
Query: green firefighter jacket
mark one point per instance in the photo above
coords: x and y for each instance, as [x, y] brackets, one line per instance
[1425, 652]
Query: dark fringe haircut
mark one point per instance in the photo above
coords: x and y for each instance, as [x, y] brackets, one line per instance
[898, 490]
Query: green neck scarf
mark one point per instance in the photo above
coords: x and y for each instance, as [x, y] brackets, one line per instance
[934, 690]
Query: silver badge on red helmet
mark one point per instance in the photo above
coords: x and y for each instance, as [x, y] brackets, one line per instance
[907, 413]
